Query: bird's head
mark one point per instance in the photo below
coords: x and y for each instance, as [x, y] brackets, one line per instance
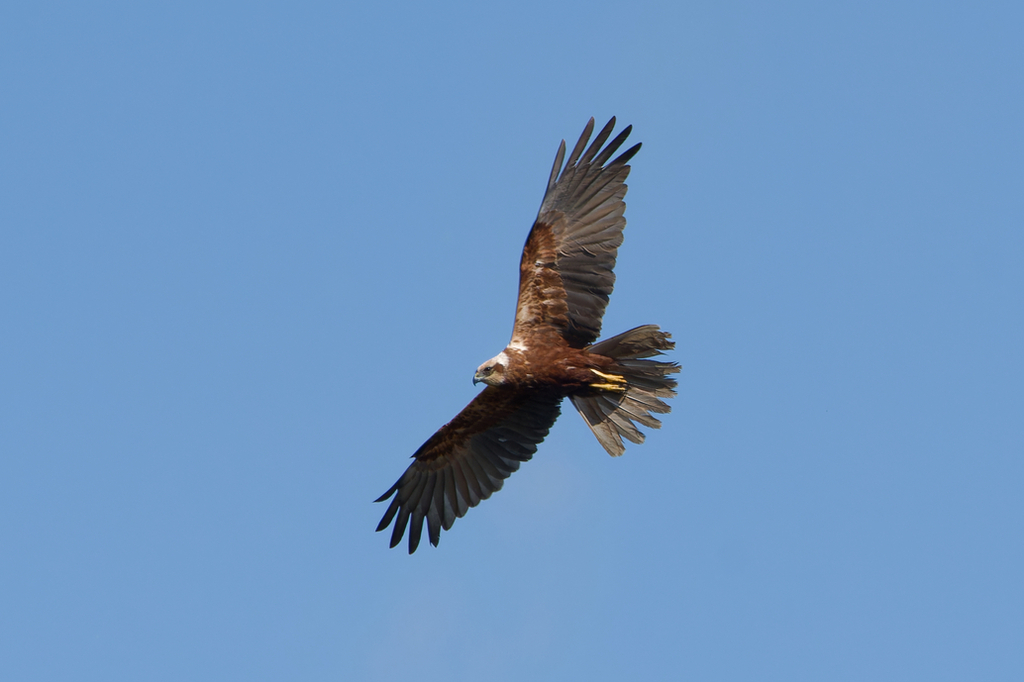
[492, 372]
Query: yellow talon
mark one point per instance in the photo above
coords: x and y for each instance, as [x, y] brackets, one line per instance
[610, 387]
[613, 378]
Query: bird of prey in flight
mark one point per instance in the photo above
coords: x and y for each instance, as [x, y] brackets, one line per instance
[565, 278]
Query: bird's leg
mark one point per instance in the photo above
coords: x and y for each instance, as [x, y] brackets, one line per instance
[612, 382]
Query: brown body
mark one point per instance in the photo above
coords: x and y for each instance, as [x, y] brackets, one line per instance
[563, 369]
[565, 278]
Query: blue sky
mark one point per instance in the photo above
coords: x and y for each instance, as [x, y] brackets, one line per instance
[251, 254]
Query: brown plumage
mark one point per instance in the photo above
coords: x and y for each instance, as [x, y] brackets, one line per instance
[565, 278]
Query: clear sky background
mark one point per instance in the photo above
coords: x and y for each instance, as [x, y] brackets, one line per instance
[252, 253]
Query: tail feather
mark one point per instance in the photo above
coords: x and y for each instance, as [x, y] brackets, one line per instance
[640, 342]
[610, 415]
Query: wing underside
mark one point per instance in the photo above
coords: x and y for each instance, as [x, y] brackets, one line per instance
[467, 460]
[567, 269]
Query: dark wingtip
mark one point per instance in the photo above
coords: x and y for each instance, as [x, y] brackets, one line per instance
[625, 156]
[391, 491]
[399, 530]
[385, 520]
[414, 539]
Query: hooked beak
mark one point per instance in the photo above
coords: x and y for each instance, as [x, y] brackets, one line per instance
[476, 379]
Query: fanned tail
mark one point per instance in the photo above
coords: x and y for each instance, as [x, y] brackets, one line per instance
[611, 414]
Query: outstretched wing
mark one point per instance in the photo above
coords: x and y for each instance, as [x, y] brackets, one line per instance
[468, 459]
[566, 273]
